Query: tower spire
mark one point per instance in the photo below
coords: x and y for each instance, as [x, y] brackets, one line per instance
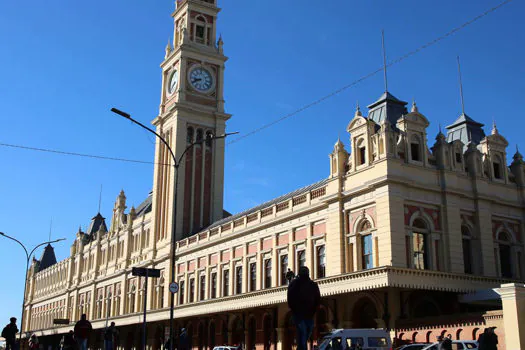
[461, 88]
[384, 59]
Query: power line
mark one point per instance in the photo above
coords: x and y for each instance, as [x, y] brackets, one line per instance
[289, 115]
[75, 154]
[397, 60]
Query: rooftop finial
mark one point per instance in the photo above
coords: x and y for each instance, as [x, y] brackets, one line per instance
[100, 198]
[414, 107]
[358, 110]
[384, 59]
[50, 228]
[494, 128]
[461, 88]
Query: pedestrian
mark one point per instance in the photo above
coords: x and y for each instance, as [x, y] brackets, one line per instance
[33, 342]
[67, 342]
[183, 340]
[110, 337]
[83, 329]
[303, 299]
[289, 276]
[9, 334]
[447, 343]
[488, 340]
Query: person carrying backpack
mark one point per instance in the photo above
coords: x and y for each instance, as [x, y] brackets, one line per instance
[9, 334]
[304, 299]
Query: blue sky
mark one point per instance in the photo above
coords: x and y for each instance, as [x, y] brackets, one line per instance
[64, 64]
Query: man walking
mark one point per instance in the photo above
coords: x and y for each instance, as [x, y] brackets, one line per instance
[9, 334]
[82, 331]
[110, 337]
[303, 299]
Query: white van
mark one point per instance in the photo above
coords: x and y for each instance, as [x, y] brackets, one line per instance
[350, 339]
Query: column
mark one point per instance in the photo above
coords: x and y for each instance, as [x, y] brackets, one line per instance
[513, 300]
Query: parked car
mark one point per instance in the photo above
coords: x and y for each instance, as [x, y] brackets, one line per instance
[456, 345]
[415, 346]
[348, 339]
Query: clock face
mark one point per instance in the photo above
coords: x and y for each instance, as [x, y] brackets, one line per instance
[174, 80]
[201, 79]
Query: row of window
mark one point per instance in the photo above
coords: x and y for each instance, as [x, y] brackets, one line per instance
[191, 137]
[252, 277]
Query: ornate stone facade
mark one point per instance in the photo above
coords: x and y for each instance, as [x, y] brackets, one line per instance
[396, 228]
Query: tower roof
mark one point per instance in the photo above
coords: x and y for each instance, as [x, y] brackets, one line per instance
[48, 258]
[387, 107]
[96, 223]
[465, 129]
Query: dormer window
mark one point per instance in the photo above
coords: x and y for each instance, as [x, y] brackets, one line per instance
[415, 149]
[361, 152]
[496, 166]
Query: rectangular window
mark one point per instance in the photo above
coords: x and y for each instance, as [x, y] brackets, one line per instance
[301, 258]
[414, 149]
[192, 290]
[213, 291]
[321, 261]
[497, 173]
[458, 158]
[202, 293]
[368, 261]
[238, 280]
[362, 154]
[284, 269]
[199, 34]
[253, 276]
[181, 293]
[225, 283]
[268, 273]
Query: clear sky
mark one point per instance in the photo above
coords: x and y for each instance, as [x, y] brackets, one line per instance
[64, 64]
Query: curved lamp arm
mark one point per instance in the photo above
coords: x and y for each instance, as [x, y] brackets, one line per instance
[17, 241]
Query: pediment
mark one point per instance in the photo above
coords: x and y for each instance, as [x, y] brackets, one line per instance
[356, 122]
[415, 117]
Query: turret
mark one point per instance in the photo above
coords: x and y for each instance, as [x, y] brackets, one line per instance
[338, 159]
[518, 168]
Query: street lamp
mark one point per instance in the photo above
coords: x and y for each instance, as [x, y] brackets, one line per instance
[28, 256]
[176, 163]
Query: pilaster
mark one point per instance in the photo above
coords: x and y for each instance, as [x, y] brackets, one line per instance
[513, 301]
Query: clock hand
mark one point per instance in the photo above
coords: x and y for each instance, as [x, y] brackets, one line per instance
[196, 80]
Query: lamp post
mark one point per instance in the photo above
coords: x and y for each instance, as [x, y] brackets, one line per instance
[28, 256]
[176, 164]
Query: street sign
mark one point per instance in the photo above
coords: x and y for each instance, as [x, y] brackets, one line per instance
[143, 272]
[174, 287]
[61, 321]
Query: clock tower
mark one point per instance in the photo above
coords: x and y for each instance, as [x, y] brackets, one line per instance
[191, 107]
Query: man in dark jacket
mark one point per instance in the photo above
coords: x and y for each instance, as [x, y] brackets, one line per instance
[303, 299]
[9, 333]
[83, 329]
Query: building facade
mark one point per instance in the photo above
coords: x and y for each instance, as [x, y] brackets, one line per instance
[401, 234]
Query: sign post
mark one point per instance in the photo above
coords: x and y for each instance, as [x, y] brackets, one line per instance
[145, 272]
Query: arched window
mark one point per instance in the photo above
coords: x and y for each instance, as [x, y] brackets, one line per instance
[420, 244]
[415, 148]
[505, 254]
[189, 135]
[284, 269]
[367, 252]
[199, 29]
[467, 249]
[361, 152]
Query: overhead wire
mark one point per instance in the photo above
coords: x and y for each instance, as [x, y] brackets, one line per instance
[289, 115]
